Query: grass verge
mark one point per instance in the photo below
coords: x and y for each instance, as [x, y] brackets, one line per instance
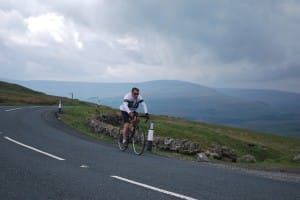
[271, 151]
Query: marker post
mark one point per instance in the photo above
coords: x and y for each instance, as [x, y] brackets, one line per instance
[59, 107]
[150, 136]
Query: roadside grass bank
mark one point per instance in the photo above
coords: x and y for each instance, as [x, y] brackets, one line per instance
[270, 151]
[13, 94]
[75, 117]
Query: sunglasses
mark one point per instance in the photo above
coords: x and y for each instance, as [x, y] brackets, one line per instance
[135, 93]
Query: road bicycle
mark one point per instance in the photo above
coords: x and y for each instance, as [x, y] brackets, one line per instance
[136, 135]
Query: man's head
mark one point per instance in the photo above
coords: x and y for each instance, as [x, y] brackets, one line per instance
[135, 92]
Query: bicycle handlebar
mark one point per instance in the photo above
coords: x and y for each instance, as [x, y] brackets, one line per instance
[144, 116]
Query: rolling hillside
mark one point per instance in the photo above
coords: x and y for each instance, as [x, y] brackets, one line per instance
[285, 104]
[269, 150]
[13, 94]
[269, 111]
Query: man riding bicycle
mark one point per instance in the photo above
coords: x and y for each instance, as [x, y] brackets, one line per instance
[128, 110]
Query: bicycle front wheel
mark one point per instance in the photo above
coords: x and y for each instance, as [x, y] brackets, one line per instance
[139, 141]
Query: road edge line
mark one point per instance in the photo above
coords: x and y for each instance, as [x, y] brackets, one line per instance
[153, 188]
[34, 149]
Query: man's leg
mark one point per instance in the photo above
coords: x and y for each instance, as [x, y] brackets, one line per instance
[125, 117]
[125, 131]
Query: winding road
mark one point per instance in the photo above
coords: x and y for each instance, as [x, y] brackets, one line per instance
[41, 158]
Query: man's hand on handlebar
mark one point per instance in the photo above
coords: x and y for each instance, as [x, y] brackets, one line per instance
[147, 116]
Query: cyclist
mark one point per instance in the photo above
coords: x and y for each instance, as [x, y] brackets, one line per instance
[128, 110]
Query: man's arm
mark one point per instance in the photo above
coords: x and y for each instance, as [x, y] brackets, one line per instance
[144, 107]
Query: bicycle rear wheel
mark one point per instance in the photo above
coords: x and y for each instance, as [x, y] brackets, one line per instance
[139, 141]
[120, 140]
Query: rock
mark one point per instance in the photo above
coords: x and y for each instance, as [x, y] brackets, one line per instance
[189, 147]
[158, 142]
[180, 146]
[216, 156]
[228, 154]
[112, 119]
[247, 159]
[168, 141]
[297, 158]
[165, 143]
[177, 145]
[161, 143]
[201, 157]
[101, 127]
[223, 153]
[207, 153]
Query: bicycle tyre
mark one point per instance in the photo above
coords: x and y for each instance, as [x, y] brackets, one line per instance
[139, 141]
[120, 140]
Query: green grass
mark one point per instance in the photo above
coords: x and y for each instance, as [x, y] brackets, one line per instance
[269, 150]
[75, 117]
[13, 94]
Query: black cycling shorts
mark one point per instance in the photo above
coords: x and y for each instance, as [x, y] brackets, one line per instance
[125, 116]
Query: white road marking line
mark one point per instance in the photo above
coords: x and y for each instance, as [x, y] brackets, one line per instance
[154, 188]
[13, 109]
[84, 166]
[34, 149]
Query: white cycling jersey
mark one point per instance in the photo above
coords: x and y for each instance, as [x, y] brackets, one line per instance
[130, 104]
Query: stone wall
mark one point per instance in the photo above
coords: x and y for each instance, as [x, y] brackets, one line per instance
[101, 127]
[109, 125]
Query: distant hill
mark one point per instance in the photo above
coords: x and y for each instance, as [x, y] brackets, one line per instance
[283, 101]
[285, 104]
[14, 94]
[263, 110]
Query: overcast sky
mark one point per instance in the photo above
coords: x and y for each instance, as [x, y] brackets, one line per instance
[244, 44]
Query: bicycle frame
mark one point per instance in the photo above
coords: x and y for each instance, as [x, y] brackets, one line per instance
[138, 141]
[134, 124]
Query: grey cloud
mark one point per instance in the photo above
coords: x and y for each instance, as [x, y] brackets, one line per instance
[233, 31]
[180, 35]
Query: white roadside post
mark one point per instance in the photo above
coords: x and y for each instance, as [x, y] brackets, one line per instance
[150, 136]
[59, 106]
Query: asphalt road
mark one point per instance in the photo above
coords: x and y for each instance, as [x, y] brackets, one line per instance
[41, 158]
